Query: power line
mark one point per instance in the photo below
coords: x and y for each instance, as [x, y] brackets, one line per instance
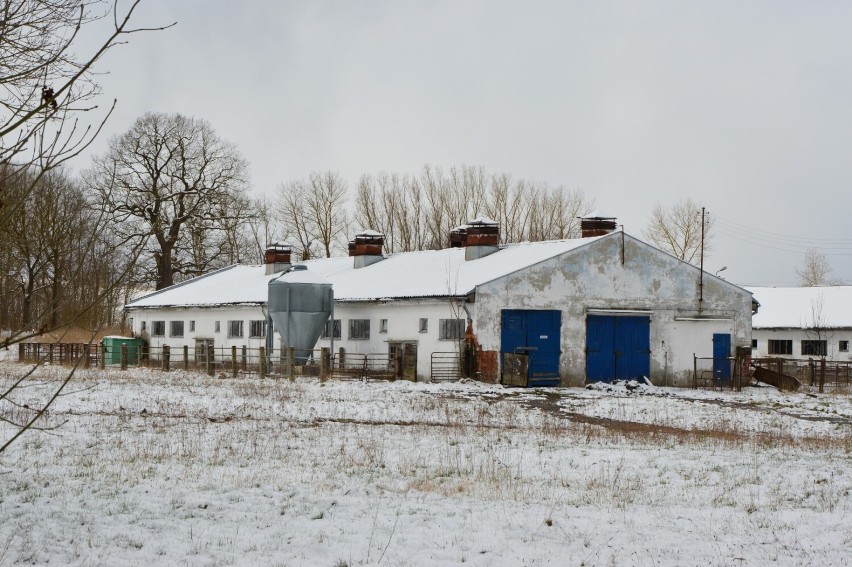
[783, 242]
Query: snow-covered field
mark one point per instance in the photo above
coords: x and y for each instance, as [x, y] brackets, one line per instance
[180, 469]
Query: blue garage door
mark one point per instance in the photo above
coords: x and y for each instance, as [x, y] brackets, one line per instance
[617, 347]
[535, 333]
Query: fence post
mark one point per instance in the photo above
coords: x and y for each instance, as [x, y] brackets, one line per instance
[324, 372]
[244, 360]
[262, 370]
[86, 350]
[166, 357]
[812, 371]
[102, 356]
[234, 360]
[208, 360]
[694, 371]
[291, 363]
[186, 357]
[342, 357]
[821, 375]
[123, 356]
[21, 352]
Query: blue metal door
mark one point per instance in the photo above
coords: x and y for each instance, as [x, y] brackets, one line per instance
[617, 347]
[537, 334]
[600, 350]
[721, 362]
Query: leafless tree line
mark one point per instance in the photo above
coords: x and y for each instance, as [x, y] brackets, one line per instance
[417, 212]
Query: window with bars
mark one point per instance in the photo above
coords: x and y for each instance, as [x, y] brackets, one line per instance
[814, 348]
[326, 330]
[451, 329]
[175, 328]
[359, 328]
[780, 346]
[424, 325]
[158, 328]
[235, 329]
[257, 329]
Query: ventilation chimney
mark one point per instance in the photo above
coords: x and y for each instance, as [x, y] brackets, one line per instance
[276, 258]
[458, 237]
[596, 225]
[481, 238]
[366, 248]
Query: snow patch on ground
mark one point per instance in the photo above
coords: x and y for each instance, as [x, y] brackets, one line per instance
[146, 467]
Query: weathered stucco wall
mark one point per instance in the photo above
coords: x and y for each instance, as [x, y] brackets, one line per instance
[593, 277]
[403, 325]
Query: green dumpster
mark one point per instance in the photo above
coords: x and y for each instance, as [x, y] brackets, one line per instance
[112, 348]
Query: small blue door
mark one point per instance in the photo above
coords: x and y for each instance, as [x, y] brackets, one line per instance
[721, 356]
[537, 334]
[617, 347]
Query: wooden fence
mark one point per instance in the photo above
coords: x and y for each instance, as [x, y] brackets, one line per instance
[220, 361]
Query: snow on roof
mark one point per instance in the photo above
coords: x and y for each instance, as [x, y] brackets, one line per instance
[800, 307]
[235, 285]
[431, 273]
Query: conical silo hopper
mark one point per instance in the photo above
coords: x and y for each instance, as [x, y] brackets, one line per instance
[300, 303]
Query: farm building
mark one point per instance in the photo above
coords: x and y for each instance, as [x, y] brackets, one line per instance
[600, 307]
[803, 322]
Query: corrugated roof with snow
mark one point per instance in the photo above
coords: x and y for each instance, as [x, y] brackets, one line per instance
[800, 307]
[431, 273]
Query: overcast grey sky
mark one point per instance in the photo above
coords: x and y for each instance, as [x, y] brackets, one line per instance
[743, 106]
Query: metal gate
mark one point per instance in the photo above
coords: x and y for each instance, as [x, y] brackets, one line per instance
[536, 334]
[617, 347]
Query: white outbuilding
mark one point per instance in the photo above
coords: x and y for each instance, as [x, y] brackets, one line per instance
[803, 322]
[602, 307]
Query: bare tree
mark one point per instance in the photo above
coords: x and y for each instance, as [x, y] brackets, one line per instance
[171, 181]
[815, 270]
[313, 213]
[263, 229]
[46, 85]
[678, 231]
[47, 89]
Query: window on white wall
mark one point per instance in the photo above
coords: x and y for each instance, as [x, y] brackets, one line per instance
[144, 326]
[451, 329]
[814, 348]
[424, 324]
[359, 328]
[192, 326]
[776, 346]
[383, 325]
[158, 328]
[217, 327]
[175, 328]
[257, 329]
[235, 329]
[326, 330]
[843, 346]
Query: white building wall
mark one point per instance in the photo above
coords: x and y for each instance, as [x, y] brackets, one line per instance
[594, 278]
[403, 325]
[833, 338]
[205, 325]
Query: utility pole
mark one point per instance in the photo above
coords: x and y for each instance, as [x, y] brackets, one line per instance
[701, 267]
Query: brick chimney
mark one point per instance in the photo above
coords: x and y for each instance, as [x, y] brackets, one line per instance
[596, 225]
[479, 238]
[366, 248]
[276, 258]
